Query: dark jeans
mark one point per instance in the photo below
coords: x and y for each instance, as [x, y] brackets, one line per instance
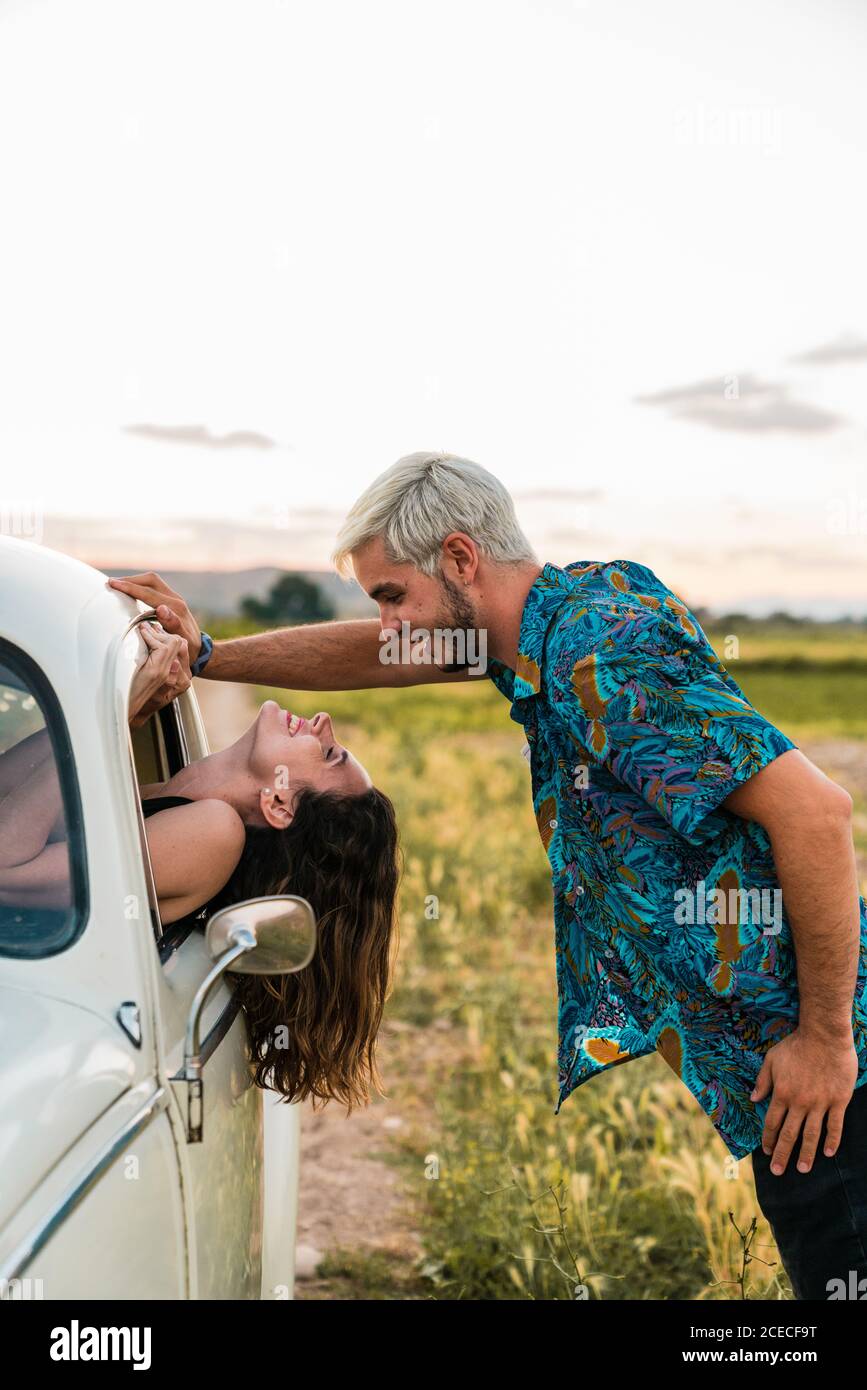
[819, 1219]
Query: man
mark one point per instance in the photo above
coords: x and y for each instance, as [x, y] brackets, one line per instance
[705, 891]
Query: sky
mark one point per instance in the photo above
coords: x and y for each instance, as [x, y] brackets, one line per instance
[252, 254]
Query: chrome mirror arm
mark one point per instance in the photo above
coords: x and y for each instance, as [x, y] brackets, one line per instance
[191, 1071]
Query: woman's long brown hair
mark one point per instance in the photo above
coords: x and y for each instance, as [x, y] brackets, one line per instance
[313, 1033]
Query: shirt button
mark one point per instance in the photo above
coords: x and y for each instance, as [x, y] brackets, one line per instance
[608, 951]
[553, 824]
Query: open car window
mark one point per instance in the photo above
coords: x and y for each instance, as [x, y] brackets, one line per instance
[156, 755]
[149, 753]
[43, 874]
[160, 748]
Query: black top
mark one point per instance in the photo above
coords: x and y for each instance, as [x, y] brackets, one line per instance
[163, 803]
[199, 915]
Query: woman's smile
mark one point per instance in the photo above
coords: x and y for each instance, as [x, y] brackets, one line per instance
[294, 723]
[297, 724]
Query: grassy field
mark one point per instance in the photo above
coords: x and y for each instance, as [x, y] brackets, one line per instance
[628, 1193]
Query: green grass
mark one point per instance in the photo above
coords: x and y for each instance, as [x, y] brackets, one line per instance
[823, 644]
[815, 703]
[373, 1277]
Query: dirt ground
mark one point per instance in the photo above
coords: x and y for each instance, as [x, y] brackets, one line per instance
[349, 1196]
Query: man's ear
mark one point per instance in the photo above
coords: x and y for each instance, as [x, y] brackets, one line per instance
[276, 812]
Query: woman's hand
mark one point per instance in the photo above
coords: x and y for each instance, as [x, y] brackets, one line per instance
[162, 676]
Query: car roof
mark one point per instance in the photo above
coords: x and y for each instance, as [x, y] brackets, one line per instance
[57, 608]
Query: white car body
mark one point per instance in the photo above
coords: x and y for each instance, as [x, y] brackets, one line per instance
[102, 1196]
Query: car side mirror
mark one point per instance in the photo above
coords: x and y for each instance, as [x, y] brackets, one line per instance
[283, 928]
[259, 936]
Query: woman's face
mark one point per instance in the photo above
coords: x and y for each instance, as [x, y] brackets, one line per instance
[289, 752]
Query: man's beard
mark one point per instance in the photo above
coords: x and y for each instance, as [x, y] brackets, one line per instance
[459, 614]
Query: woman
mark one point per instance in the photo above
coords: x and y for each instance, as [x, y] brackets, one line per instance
[285, 809]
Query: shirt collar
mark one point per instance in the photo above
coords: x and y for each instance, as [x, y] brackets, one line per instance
[545, 596]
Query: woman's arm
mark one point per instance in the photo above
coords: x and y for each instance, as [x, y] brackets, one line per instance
[194, 851]
[41, 882]
[18, 762]
[27, 814]
[33, 873]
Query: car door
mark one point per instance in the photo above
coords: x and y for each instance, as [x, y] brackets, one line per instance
[90, 1198]
[223, 1170]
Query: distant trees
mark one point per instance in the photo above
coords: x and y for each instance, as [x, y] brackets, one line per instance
[291, 600]
[784, 619]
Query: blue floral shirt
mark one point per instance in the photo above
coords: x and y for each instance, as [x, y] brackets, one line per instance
[670, 931]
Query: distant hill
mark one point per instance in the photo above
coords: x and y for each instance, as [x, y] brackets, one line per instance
[219, 592]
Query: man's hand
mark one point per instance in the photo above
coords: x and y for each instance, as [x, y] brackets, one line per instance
[171, 610]
[162, 676]
[810, 1075]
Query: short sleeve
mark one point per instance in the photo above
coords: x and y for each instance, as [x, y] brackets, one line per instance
[502, 676]
[667, 720]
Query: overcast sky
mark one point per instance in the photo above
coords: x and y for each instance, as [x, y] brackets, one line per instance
[251, 253]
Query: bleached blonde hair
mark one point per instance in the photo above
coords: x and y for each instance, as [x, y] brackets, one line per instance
[419, 500]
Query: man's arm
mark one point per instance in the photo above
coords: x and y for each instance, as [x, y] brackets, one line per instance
[808, 820]
[340, 655]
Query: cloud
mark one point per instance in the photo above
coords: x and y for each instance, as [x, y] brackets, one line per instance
[570, 538]
[560, 495]
[329, 517]
[201, 436]
[180, 542]
[742, 401]
[800, 556]
[846, 348]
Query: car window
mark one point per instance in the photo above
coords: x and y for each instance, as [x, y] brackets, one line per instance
[43, 880]
[149, 751]
[159, 750]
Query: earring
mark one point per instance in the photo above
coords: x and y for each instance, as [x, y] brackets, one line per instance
[267, 791]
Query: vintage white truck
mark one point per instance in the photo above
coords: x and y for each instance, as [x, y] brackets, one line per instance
[137, 1159]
